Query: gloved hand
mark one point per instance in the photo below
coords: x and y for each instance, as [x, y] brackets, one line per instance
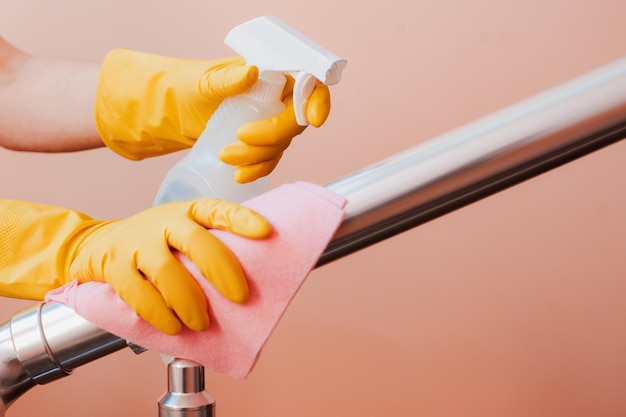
[43, 247]
[261, 143]
[148, 105]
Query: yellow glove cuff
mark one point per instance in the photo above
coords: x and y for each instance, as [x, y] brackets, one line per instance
[37, 242]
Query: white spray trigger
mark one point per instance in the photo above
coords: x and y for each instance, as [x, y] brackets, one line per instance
[273, 46]
[302, 90]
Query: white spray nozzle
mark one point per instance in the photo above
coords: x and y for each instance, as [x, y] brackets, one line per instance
[272, 45]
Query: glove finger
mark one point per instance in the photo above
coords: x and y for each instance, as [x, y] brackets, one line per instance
[178, 288]
[288, 88]
[145, 299]
[215, 261]
[229, 81]
[318, 107]
[240, 153]
[273, 131]
[229, 216]
[248, 173]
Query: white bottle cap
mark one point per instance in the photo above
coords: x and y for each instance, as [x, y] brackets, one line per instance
[269, 87]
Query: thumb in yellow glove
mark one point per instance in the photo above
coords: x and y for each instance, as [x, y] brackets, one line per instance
[43, 247]
[148, 105]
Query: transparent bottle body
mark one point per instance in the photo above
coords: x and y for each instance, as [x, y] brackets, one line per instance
[200, 173]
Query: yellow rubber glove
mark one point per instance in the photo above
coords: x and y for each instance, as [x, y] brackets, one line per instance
[149, 105]
[262, 143]
[43, 247]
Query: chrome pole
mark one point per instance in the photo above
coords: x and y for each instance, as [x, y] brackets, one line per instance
[427, 181]
[481, 158]
[45, 342]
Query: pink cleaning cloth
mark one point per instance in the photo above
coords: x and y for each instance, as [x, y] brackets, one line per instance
[304, 217]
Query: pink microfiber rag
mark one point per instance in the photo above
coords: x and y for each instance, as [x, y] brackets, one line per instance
[304, 218]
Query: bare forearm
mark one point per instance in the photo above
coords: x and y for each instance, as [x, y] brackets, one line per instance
[46, 105]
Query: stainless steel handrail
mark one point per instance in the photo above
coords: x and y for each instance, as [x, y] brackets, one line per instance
[427, 181]
[481, 158]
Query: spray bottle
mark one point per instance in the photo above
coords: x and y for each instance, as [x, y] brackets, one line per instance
[276, 49]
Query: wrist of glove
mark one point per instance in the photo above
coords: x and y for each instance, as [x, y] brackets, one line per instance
[148, 105]
[43, 247]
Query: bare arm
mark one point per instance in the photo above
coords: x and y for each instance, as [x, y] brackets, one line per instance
[46, 105]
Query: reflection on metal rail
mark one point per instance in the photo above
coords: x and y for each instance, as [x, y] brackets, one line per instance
[481, 158]
[422, 183]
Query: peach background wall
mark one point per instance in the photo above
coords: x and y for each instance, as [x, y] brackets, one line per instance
[513, 306]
